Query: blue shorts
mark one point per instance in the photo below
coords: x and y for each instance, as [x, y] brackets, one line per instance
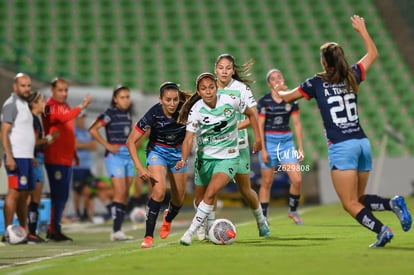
[280, 148]
[23, 177]
[165, 156]
[353, 154]
[119, 165]
[39, 170]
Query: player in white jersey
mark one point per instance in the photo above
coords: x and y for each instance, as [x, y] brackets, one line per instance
[233, 80]
[213, 121]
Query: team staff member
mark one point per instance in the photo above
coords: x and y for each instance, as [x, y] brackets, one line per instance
[212, 119]
[163, 151]
[117, 122]
[336, 90]
[60, 155]
[18, 141]
[279, 149]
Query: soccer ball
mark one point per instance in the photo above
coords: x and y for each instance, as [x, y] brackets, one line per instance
[16, 233]
[138, 215]
[222, 231]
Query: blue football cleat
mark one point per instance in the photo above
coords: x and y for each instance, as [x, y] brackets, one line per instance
[399, 207]
[383, 237]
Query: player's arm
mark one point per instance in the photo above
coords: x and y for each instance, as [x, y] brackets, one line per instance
[48, 139]
[57, 116]
[94, 131]
[5, 140]
[358, 24]
[252, 115]
[243, 124]
[134, 140]
[89, 145]
[297, 126]
[291, 95]
[187, 145]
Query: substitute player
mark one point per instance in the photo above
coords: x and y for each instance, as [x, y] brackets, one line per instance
[37, 106]
[120, 168]
[349, 150]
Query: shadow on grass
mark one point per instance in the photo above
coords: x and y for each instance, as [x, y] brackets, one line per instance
[280, 241]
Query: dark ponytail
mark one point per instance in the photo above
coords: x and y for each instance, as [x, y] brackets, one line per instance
[337, 67]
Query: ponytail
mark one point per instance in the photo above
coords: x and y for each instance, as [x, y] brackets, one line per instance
[337, 67]
[241, 72]
[185, 110]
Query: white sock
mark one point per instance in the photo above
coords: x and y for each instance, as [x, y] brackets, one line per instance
[203, 211]
[258, 214]
[210, 219]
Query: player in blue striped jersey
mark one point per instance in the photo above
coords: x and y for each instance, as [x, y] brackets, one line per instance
[117, 122]
[336, 92]
[274, 116]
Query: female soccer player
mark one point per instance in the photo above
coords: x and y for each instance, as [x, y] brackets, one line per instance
[117, 122]
[233, 79]
[163, 151]
[279, 149]
[335, 90]
[213, 121]
[37, 106]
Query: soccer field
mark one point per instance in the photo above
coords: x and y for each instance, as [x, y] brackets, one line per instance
[330, 242]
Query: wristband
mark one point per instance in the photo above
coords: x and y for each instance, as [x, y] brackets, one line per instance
[49, 138]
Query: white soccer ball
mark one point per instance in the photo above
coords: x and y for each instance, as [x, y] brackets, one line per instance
[16, 233]
[138, 215]
[222, 231]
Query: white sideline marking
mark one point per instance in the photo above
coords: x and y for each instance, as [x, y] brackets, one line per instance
[37, 260]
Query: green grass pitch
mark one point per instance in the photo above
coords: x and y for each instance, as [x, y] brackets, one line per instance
[330, 242]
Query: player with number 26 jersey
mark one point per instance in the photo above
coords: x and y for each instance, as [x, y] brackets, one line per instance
[338, 106]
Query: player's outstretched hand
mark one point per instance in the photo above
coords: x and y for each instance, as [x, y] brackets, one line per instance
[358, 23]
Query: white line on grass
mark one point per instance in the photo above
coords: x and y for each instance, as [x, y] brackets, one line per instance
[41, 259]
